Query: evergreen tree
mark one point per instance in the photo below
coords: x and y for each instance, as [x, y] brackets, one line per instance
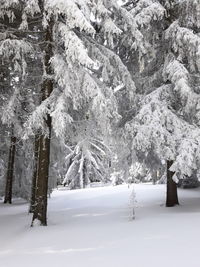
[79, 75]
[167, 87]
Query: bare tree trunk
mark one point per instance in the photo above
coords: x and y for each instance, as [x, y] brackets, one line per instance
[85, 176]
[172, 196]
[155, 177]
[9, 177]
[40, 207]
[35, 174]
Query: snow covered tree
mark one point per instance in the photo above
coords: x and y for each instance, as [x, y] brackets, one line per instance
[81, 70]
[168, 87]
[86, 163]
[14, 53]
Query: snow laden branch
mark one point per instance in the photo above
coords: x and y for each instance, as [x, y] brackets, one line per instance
[62, 74]
[75, 52]
[8, 111]
[140, 5]
[114, 73]
[6, 9]
[74, 17]
[185, 43]
[191, 14]
[110, 31]
[15, 48]
[139, 17]
[60, 116]
[36, 120]
[87, 90]
[187, 159]
[31, 8]
[170, 135]
[152, 12]
[176, 72]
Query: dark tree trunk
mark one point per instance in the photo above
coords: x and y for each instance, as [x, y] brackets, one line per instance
[9, 177]
[35, 174]
[155, 177]
[40, 207]
[172, 196]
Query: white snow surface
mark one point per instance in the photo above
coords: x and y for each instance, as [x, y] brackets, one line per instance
[91, 228]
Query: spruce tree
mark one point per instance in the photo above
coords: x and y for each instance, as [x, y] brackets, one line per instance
[167, 87]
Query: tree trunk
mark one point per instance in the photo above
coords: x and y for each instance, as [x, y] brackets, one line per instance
[155, 177]
[40, 207]
[9, 177]
[35, 174]
[172, 196]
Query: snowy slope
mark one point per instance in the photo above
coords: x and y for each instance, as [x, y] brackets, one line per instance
[91, 228]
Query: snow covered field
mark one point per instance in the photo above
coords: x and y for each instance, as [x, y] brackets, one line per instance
[91, 228]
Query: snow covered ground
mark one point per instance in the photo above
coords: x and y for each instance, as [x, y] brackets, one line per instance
[91, 228]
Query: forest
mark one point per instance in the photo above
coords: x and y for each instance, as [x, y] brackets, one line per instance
[98, 97]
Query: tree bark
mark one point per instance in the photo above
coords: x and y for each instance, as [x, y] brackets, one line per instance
[172, 195]
[9, 177]
[155, 177]
[40, 207]
[35, 174]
